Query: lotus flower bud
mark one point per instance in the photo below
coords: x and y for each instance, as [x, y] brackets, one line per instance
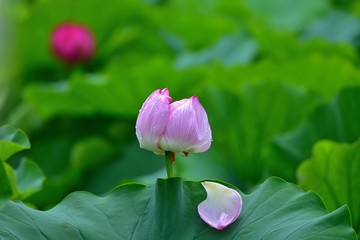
[181, 126]
[221, 207]
[72, 43]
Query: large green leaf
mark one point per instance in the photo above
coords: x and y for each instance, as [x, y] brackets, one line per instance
[295, 68]
[29, 178]
[77, 163]
[275, 210]
[5, 186]
[333, 171]
[128, 167]
[192, 21]
[12, 140]
[119, 91]
[25, 180]
[244, 125]
[336, 26]
[230, 50]
[287, 14]
[337, 120]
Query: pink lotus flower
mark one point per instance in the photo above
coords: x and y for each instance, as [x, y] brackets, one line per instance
[72, 43]
[221, 207]
[181, 126]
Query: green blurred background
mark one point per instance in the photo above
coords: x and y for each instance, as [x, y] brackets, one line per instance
[275, 77]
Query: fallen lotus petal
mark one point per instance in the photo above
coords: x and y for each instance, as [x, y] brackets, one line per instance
[221, 207]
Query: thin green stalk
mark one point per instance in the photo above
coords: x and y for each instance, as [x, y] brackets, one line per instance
[169, 162]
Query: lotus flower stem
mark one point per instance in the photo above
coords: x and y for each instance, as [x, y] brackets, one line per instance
[169, 159]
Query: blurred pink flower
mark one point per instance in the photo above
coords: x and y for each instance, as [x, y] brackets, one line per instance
[221, 207]
[72, 43]
[181, 126]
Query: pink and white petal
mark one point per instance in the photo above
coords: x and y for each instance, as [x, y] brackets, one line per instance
[180, 133]
[221, 207]
[188, 129]
[204, 135]
[152, 120]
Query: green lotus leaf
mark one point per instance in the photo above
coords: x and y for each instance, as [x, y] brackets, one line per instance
[29, 178]
[249, 122]
[333, 172]
[337, 120]
[12, 141]
[287, 14]
[168, 210]
[5, 186]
